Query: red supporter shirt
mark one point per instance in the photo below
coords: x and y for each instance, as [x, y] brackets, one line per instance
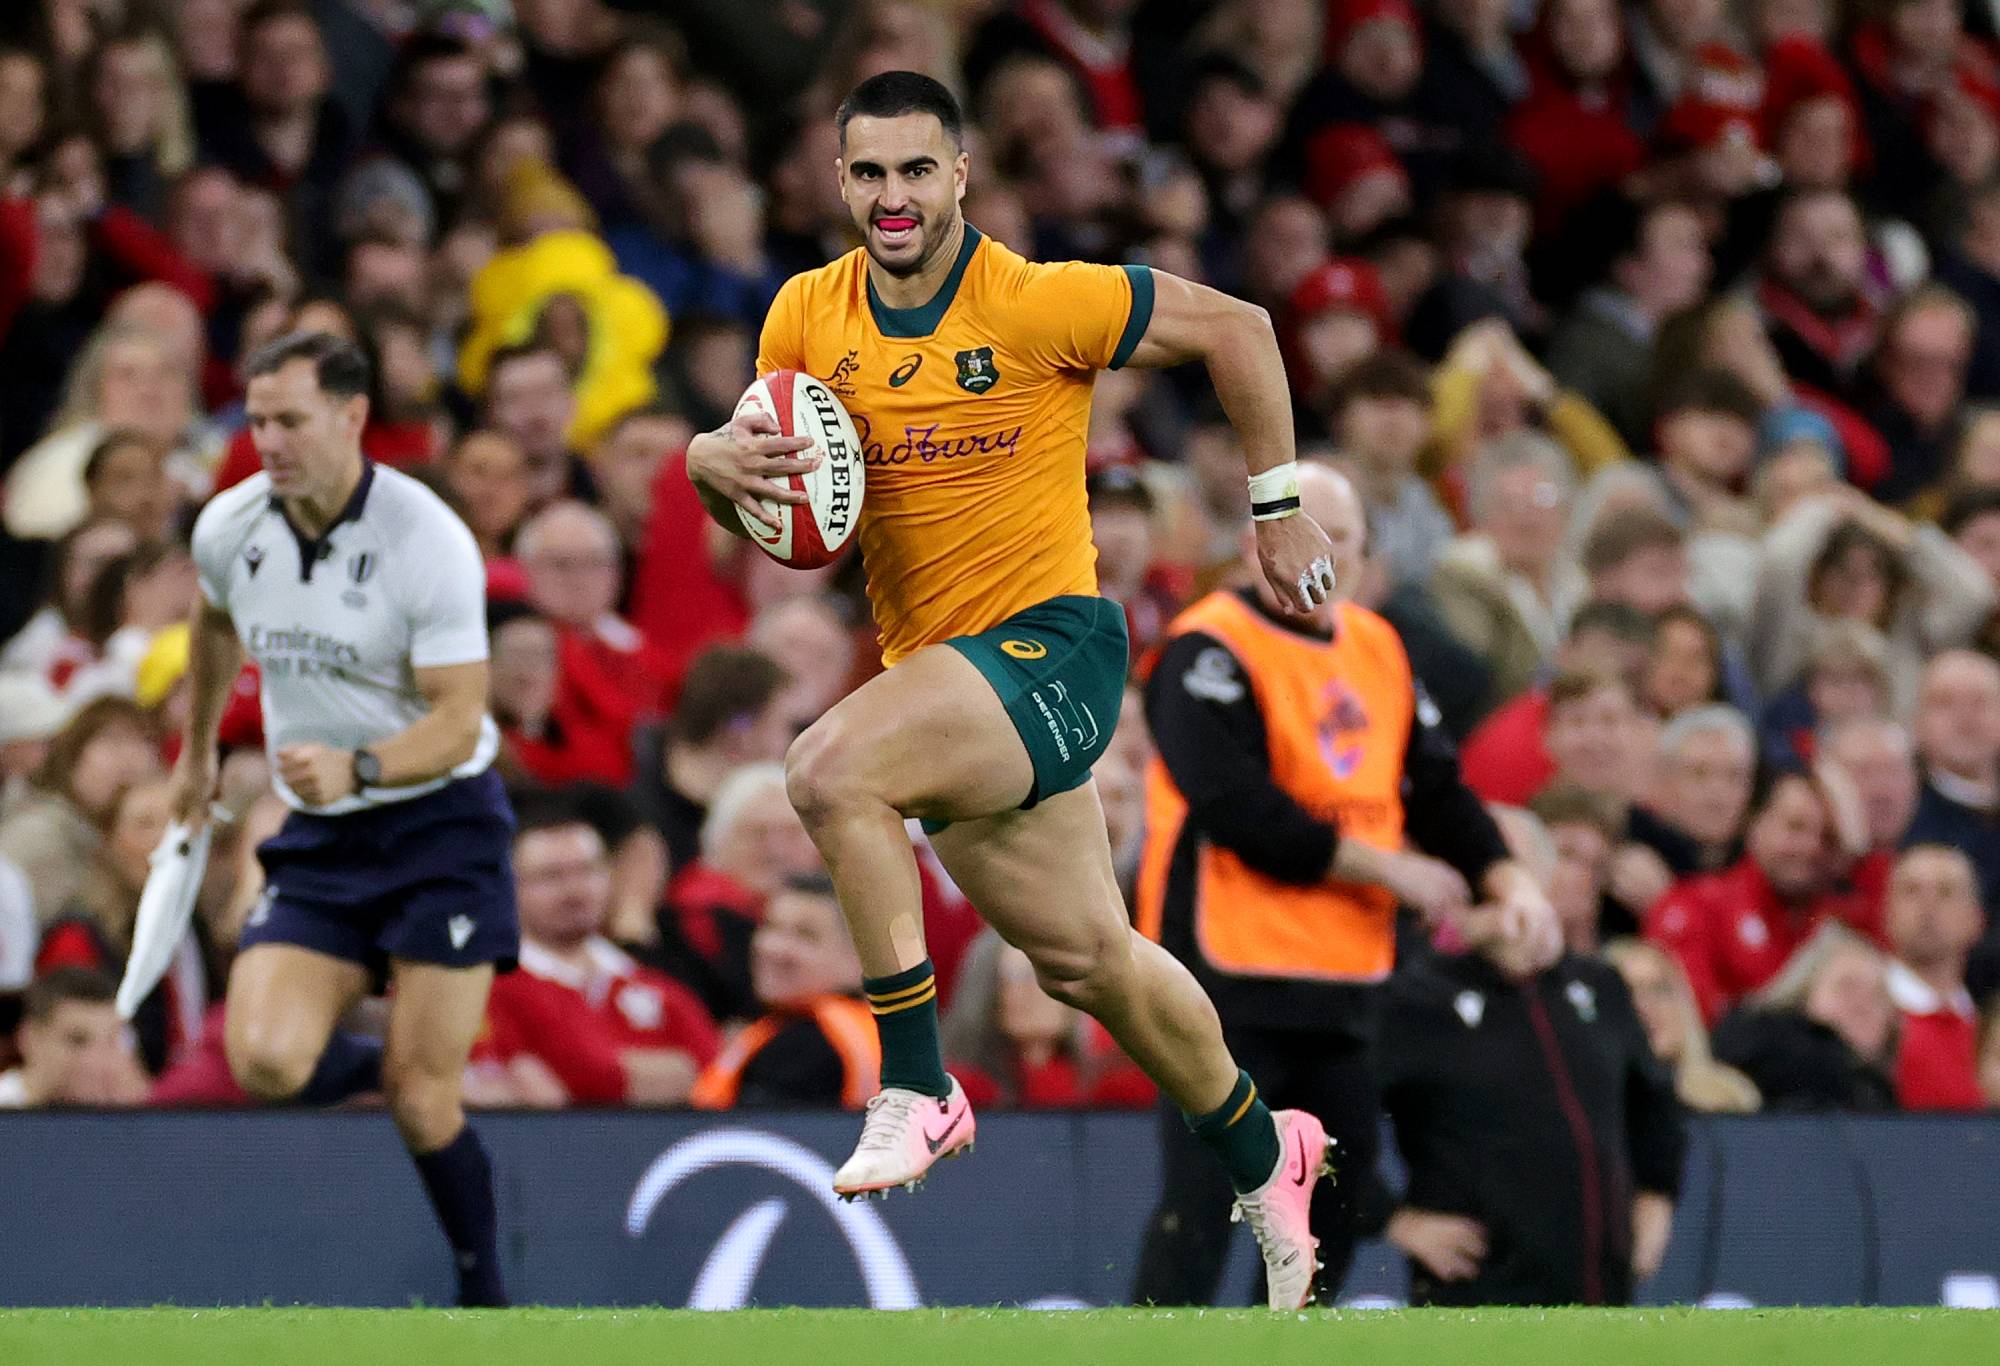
[1105, 1080]
[1503, 759]
[580, 1022]
[401, 444]
[1732, 933]
[680, 602]
[1937, 1061]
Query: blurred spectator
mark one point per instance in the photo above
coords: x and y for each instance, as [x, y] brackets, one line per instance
[125, 480]
[608, 670]
[486, 476]
[1958, 738]
[812, 635]
[1600, 742]
[1505, 759]
[127, 379]
[547, 736]
[1822, 1034]
[816, 1044]
[729, 713]
[1335, 321]
[1847, 557]
[1933, 920]
[1733, 931]
[1015, 1047]
[612, 1031]
[1488, 386]
[277, 125]
[94, 929]
[1380, 417]
[32, 713]
[1708, 763]
[74, 1049]
[54, 831]
[1583, 832]
[751, 842]
[1685, 665]
[1507, 588]
[1674, 1028]
[1921, 369]
[1880, 757]
[1575, 122]
[1128, 572]
[529, 400]
[1846, 678]
[1818, 302]
[1480, 1058]
[55, 642]
[1603, 350]
[140, 112]
[437, 104]
[626, 465]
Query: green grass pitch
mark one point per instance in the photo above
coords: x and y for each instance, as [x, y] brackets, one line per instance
[977, 1337]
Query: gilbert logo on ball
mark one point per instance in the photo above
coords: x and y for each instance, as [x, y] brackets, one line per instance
[813, 533]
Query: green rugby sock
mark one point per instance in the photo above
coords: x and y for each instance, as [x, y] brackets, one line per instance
[906, 1019]
[1241, 1132]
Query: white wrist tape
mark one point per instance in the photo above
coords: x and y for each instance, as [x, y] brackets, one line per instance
[1274, 493]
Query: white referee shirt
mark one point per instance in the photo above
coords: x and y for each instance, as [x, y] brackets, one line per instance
[339, 625]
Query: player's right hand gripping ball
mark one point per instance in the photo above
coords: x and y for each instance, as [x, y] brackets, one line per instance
[811, 534]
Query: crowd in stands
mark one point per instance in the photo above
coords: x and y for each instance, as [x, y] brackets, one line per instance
[1661, 338]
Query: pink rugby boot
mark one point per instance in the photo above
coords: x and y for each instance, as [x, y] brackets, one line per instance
[902, 1134]
[1278, 1211]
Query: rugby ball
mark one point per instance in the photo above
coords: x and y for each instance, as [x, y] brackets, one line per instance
[809, 534]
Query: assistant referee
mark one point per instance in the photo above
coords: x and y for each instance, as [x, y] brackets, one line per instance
[362, 598]
[1297, 758]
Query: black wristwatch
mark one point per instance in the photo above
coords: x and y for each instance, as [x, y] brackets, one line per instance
[367, 769]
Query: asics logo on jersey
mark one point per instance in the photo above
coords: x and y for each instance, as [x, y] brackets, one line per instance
[906, 372]
[1025, 649]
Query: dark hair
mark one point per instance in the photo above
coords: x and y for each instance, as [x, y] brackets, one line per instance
[542, 809]
[1620, 535]
[1222, 66]
[1386, 374]
[502, 612]
[1118, 487]
[895, 93]
[723, 683]
[1709, 390]
[53, 988]
[97, 716]
[521, 350]
[1568, 804]
[811, 884]
[114, 440]
[1620, 620]
[338, 365]
[1687, 613]
[104, 601]
[1848, 535]
[268, 11]
[1968, 507]
[1574, 685]
[419, 50]
[1771, 777]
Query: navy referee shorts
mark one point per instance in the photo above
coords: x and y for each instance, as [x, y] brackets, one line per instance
[430, 879]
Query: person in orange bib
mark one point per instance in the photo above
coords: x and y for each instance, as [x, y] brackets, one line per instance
[1298, 759]
[968, 371]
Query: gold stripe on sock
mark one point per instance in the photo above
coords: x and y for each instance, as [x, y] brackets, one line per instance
[1244, 1108]
[891, 997]
[929, 995]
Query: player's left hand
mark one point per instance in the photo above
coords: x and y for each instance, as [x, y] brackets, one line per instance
[318, 773]
[1298, 562]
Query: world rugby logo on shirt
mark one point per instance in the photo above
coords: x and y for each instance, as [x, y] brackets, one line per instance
[360, 565]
